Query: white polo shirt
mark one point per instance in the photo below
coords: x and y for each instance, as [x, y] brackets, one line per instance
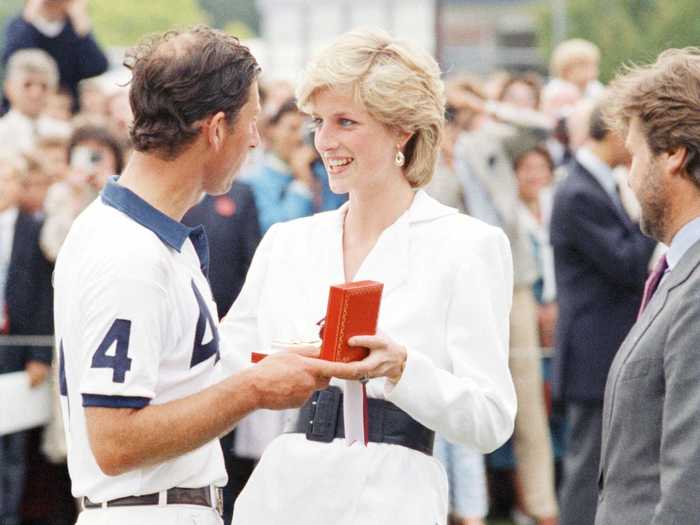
[135, 325]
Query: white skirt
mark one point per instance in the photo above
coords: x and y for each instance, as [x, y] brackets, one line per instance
[310, 483]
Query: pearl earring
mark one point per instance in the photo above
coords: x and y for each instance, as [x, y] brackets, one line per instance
[400, 159]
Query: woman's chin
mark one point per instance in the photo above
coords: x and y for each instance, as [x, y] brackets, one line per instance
[338, 187]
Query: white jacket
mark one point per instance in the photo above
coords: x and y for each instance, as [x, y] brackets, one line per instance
[447, 296]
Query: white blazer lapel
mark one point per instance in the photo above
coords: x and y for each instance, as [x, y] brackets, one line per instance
[387, 263]
[325, 263]
[389, 260]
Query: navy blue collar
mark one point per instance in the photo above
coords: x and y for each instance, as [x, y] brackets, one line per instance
[168, 230]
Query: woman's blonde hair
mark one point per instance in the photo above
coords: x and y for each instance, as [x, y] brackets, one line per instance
[398, 85]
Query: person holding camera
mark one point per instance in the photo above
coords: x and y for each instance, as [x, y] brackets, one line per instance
[94, 155]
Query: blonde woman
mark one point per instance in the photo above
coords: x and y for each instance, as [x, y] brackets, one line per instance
[440, 360]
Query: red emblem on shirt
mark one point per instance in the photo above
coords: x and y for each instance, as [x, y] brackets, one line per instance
[225, 206]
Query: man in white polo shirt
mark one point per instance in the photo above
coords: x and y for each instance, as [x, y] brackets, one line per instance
[144, 392]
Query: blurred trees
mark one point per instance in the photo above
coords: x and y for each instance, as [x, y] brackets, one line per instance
[8, 9]
[122, 23]
[626, 30]
[241, 14]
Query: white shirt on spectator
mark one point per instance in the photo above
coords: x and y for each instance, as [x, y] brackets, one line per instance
[8, 220]
[20, 133]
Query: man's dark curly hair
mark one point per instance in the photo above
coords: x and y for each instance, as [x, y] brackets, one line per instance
[182, 77]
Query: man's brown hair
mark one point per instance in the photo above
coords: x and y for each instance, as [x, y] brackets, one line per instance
[665, 97]
[182, 77]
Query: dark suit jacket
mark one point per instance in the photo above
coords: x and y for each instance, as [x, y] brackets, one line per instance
[600, 260]
[28, 296]
[231, 223]
[650, 457]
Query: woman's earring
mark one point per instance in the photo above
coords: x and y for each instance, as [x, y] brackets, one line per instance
[400, 159]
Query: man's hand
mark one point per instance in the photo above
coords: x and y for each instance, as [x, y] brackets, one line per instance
[465, 99]
[32, 10]
[287, 379]
[77, 10]
[37, 372]
[547, 319]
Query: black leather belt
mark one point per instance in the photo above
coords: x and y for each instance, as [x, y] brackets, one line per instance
[321, 419]
[175, 496]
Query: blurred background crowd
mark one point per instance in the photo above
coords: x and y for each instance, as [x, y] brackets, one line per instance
[525, 87]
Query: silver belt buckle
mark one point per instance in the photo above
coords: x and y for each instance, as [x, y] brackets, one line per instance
[219, 494]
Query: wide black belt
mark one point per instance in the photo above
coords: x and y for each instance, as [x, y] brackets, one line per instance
[321, 419]
[175, 496]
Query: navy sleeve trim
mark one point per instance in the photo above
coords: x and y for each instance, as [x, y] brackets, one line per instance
[95, 400]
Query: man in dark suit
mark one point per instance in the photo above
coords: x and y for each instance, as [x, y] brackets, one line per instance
[601, 260]
[231, 223]
[650, 458]
[26, 309]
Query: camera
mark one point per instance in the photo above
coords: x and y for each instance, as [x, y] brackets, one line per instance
[85, 159]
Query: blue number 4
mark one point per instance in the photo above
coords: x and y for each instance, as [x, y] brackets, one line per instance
[203, 351]
[120, 363]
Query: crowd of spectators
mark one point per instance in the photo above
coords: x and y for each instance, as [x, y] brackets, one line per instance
[511, 138]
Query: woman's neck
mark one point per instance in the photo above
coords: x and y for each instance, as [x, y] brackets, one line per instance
[371, 212]
[533, 204]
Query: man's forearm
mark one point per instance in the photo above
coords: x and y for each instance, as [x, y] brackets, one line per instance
[125, 439]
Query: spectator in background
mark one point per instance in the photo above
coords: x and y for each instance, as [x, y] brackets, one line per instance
[26, 308]
[93, 97]
[94, 155]
[534, 171]
[601, 259]
[522, 91]
[466, 472]
[60, 105]
[285, 185]
[491, 188]
[35, 186]
[63, 29]
[446, 185]
[577, 62]
[557, 102]
[52, 152]
[118, 113]
[30, 79]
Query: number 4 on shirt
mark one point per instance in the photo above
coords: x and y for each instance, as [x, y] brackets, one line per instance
[120, 362]
[202, 351]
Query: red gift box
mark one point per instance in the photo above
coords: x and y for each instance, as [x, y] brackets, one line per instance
[353, 309]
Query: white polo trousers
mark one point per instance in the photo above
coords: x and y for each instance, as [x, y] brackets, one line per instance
[151, 515]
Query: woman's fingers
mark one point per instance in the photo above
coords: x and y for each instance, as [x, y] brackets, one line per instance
[368, 341]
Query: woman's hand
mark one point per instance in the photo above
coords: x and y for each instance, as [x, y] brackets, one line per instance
[386, 358]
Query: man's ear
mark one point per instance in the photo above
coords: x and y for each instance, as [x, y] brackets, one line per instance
[216, 130]
[677, 160]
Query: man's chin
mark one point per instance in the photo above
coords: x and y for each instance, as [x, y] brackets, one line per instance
[224, 187]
